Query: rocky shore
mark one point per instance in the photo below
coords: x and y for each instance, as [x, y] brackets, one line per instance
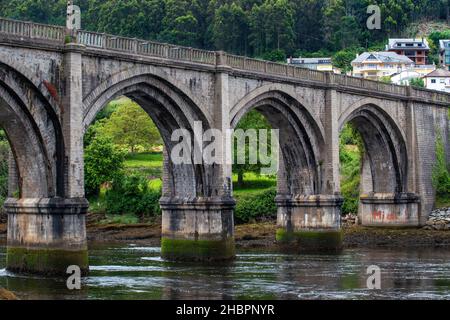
[7, 295]
[262, 234]
[439, 220]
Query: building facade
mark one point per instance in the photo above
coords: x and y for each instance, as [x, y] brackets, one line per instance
[320, 64]
[444, 54]
[438, 80]
[415, 49]
[376, 65]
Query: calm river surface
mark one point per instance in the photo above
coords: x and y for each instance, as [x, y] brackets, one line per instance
[138, 272]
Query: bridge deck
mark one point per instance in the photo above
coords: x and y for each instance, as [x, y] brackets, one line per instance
[35, 33]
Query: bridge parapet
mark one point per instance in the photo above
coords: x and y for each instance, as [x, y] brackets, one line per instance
[35, 31]
[31, 30]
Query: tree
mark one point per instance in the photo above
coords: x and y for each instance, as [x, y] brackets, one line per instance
[102, 162]
[253, 120]
[417, 82]
[309, 24]
[133, 18]
[180, 26]
[441, 169]
[272, 26]
[343, 59]
[4, 155]
[130, 127]
[230, 29]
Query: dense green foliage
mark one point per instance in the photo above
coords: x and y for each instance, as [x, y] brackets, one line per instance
[256, 206]
[4, 154]
[350, 153]
[103, 161]
[256, 121]
[129, 127]
[248, 27]
[417, 82]
[441, 170]
[131, 194]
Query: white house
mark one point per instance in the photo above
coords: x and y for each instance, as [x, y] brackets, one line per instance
[438, 80]
[403, 78]
[375, 65]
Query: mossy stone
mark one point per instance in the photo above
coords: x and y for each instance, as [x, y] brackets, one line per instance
[45, 261]
[197, 250]
[311, 240]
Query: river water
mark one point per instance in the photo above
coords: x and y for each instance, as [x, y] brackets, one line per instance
[137, 272]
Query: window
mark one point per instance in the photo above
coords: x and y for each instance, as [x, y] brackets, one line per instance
[442, 81]
[433, 80]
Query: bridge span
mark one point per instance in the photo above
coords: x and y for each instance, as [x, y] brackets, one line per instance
[53, 84]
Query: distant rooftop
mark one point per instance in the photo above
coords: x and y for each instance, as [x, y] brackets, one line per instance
[309, 60]
[438, 73]
[444, 44]
[384, 56]
[408, 43]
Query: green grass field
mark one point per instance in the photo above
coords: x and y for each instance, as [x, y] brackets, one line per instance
[144, 160]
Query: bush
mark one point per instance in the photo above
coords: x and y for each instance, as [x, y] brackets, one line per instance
[276, 55]
[351, 149]
[4, 154]
[132, 195]
[440, 174]
[257, 205]
[103, 161]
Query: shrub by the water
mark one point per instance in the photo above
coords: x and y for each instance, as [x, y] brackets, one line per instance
[256, 206]
[441, 172]
[103, 161]
[4, 154]
[132, 195]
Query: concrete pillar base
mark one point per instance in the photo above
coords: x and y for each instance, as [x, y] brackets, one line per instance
[46, 236]
[200, 229]
[389, 210]
[309, 223]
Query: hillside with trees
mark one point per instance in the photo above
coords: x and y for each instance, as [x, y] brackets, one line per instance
[271, 29]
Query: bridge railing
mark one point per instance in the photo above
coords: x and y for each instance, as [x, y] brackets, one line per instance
[51, 33]
[32, 30]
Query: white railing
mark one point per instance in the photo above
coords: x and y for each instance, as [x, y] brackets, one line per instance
[103, 41]
[31, 30]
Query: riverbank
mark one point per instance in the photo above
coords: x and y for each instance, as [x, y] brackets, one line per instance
[262, 235]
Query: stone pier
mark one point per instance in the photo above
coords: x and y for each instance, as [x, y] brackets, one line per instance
[46, 236]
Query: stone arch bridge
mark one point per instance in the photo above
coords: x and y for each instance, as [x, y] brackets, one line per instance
[51, 90]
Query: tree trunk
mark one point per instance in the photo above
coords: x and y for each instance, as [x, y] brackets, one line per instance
[240, 181]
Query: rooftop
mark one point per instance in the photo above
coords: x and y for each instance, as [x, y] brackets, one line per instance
[444, 44]
[309, 60]
[421, 43]
[384, 56]
[438, 73]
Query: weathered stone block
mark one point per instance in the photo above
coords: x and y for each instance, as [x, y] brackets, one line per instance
[46, 236]
[309, 223]
[197, 229]
[390, 210]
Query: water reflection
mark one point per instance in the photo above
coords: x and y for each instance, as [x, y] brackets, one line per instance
[138, 272]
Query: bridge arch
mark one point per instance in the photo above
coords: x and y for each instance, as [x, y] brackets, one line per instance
[301, 137]
[170, 108]
[385, 162]
[33, 129]
[40, 86]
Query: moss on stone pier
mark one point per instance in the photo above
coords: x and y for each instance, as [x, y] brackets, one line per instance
[200, 250]
[310, 240]
[45, 261]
